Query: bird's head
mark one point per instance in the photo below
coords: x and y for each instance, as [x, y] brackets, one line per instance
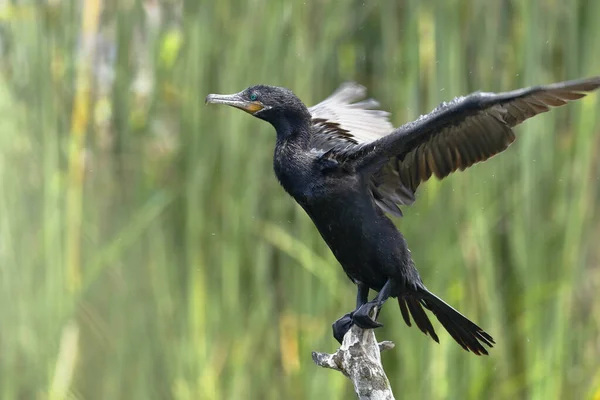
[276, 105]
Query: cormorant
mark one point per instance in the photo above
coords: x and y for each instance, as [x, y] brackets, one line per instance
[346, 165]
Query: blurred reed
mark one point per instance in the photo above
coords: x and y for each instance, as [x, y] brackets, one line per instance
[147, 252]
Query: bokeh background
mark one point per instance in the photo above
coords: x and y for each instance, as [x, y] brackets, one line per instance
[147, 251]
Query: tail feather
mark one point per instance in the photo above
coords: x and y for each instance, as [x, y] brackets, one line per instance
[421, 319]
[467, 334]
[467, 340]
[452, 331]
[404, 310]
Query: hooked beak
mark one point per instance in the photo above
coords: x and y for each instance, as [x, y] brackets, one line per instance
[237, 101]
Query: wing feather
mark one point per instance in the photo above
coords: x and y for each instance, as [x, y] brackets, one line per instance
[346, 117]
[454, 136]
[342, 122]
[463, 132]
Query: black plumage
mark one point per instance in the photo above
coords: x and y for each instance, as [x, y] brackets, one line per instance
[346, 165]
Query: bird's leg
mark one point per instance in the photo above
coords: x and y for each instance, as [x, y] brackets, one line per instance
[362, 295]
[362, 316]
[343, 325]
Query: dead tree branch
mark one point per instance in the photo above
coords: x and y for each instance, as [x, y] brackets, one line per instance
[359, 359]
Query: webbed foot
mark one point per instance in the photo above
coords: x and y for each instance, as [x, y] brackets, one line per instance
[362, 316]
[341, 326]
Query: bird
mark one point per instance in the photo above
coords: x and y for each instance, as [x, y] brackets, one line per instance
[347, 166]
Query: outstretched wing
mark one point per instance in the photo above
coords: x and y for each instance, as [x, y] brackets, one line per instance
[461, 133]
[344, 121]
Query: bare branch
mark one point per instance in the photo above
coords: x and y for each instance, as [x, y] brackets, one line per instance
[359, 359]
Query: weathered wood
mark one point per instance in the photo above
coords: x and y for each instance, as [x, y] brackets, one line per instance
[359, 359]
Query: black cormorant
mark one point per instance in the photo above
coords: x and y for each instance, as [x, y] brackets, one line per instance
[346, 165]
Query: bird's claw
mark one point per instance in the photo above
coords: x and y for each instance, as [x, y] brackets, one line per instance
[341, 326]
[362, 317]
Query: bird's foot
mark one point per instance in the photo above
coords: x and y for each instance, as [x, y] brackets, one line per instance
[341, 326]
[366, 316]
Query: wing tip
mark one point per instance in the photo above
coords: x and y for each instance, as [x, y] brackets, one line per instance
[348, 92]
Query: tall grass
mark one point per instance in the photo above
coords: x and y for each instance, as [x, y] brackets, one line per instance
[147, 251]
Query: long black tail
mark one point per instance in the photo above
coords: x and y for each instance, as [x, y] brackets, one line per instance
[465, 332]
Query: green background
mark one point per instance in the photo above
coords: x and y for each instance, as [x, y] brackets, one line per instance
[148, 252]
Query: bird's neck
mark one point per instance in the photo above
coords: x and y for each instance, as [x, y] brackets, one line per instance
[295, 133]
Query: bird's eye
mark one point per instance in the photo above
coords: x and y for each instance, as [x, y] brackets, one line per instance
[253, 97]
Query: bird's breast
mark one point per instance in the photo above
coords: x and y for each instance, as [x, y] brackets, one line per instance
[294, 180]
[297, 173]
